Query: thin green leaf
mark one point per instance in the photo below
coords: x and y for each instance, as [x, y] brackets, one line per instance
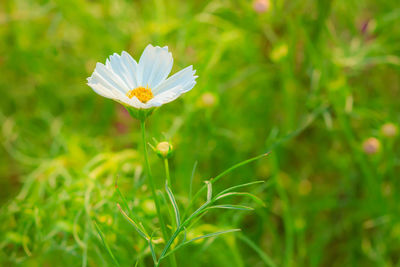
[165, 202]
[106, 245]
[197, 218]
[205, 207]
[153, 253]
[231, 207]
[254, 197]
[266, 259]
[197, 212]
[209, 190]
[173, 201]
[141, 232]
[227, 171]
[239, 186]
[124, 202]
[197, 238]
[310, 118]
[240, 164]
[211, 235]
[185, 235]
[191, 180]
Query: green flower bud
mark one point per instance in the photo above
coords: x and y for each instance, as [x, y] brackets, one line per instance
[164, 150]
[389, 130]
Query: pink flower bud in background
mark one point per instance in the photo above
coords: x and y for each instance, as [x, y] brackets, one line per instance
[371, 146]
[261, 6]
[122, 120]
[364, 26]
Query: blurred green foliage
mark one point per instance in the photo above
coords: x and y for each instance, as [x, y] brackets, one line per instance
[308, 80]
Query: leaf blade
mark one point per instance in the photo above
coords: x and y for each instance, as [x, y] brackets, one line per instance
[231, 207]
[240, 186]
[135, 225]
[174, 204]
[106, 244]
[209, 190]
[254, 197]
[212, 234]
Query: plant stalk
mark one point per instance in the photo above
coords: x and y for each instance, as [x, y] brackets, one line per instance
[153, 190]
[166, 165]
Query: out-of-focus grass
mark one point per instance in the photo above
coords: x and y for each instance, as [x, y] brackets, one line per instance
[309, 80]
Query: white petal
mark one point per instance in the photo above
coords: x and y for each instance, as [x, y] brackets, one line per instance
[110, 78]
[122, 73]
[124, 99]
[155, 64]
[126, 71]
[101, 87]
[133, 102]
[170, 95]
[183, 77]
[103, 83]
[131, 65]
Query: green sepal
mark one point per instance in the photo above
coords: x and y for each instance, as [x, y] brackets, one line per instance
[140, 114]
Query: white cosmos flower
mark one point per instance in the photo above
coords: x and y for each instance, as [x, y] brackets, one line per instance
[141, 85]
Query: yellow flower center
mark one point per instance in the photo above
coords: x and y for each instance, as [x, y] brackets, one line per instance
[142, 93]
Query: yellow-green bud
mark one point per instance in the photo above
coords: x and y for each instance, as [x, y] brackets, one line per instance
[208, 100]
[164, 149]
[389, 130]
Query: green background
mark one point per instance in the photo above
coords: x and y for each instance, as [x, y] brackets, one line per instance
[309, 81]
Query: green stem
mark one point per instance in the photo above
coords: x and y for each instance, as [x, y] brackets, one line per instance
[179, 229]
[167, 172]
[153, 188]
[287, 215]
[265, 258]
[172, 257]
[168, 177]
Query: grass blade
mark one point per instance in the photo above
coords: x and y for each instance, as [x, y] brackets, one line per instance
[135, 225]
[240, 186]
[124, 202]
[211, 235]
[197, 238]
[240, 164]
[153, 253]
[209, 190]
[173, 201]
[265, 258]
[191, 180]
[254, 197]
[227, 171]
[106, 245]
[231, 207]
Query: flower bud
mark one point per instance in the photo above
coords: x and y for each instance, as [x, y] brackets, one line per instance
[304, 187]
[164, 150]
[389, 130]
[148, 206]
[208, 99]
[260, 6]
[371, 146]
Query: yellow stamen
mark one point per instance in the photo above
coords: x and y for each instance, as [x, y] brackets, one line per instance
[143, 94]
